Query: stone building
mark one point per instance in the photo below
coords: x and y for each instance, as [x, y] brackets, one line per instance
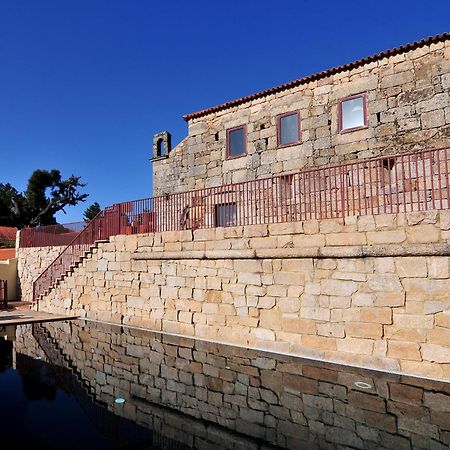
[391, 102]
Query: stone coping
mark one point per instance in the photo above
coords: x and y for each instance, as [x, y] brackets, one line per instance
[354, 251]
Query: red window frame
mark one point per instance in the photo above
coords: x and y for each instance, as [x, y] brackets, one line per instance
[229, 130]
[279, 117]
[366, 121]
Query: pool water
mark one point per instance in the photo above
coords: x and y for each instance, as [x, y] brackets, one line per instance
[60, 382]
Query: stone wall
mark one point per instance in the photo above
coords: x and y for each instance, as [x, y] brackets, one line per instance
[285, 401]
[369, 290]
[408, 104]
[31, 262]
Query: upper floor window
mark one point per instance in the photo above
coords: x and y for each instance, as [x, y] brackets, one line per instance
[353, 113]
[288, 129]
[236, 145]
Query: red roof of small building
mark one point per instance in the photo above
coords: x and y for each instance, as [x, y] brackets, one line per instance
[7, 234]
[7, 253]
[323, 74]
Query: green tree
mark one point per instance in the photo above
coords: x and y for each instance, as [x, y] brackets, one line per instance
[91, 212]
[46, 194]
[11, 205]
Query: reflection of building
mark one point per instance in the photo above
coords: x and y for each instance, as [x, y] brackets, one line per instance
[395, 102]
[7, 354]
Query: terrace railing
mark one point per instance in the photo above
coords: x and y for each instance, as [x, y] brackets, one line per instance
[50, 235]
[407, 182]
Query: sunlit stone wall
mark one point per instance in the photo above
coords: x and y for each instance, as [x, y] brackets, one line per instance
[31, 262]
[408, 107]
[370, 290]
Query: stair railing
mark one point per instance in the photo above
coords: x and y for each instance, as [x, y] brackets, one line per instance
[107, 223]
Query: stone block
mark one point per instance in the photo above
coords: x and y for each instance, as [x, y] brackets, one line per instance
[364, 330]
[319, 342]
[443, 319]
[315, 313]
[256, 230]
[438, 267]
[276, 229]
[404, 350]
[386, 237]
[384, 283]
[379, 315]
[355, 345]
[440, 336]
[340, 239]
[205, 234]
[338, 287]
[409, 267]
[262, 334]
[294, 324]
[362, 299]
[330, 330]
[436, 353]
[263, 242]
[423, 234]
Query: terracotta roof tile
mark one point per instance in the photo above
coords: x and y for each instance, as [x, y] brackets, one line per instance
[7, 233]
[323, 74]
[7, 253]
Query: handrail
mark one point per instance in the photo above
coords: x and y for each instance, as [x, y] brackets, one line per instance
[60, 234]
[406, 182]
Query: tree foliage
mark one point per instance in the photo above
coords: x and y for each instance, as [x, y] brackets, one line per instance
[46, 194]
[91, 212]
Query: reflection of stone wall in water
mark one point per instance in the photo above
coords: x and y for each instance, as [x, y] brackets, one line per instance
[288, 402]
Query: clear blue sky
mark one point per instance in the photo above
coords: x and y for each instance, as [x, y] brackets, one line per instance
[84, 84]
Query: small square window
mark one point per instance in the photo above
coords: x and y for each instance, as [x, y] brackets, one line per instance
[226, 215]
[352, 113]
[288, 128]
[236, 142]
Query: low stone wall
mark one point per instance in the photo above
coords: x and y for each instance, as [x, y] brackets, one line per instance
[304, 288]
[31, 262]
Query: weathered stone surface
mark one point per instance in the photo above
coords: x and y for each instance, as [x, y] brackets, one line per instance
[348, 307]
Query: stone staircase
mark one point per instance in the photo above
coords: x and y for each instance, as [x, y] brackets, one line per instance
[67, 273]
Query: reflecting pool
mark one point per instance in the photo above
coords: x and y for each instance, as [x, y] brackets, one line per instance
[76, 384]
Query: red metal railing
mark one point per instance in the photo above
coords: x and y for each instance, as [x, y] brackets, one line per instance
[50, 235]
[406, 182]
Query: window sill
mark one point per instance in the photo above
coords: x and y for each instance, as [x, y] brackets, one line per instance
[349, 130]
[158, 158]
[229, 158]
[289, 145]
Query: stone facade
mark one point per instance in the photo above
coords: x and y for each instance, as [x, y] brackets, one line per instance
[287, 402]
[31, 262]
[369, 290]
[408, 108]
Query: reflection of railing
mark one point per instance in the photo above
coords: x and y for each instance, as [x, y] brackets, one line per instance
[58, 234]
[4, 292]
[406, 182]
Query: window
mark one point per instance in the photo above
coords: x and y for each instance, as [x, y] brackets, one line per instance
[352, 113]
[236, 142]
[288, 129]
[226, 215]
